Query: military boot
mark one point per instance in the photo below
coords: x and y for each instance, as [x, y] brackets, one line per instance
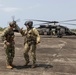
[33, 66]
[9, 67]
[11, 64]
[26, 63]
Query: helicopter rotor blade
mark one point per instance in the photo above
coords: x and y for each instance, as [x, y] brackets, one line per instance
[37, 20]
[51, 21]
[43, 21]
[69, 24]
[48, 22]
[68, 20]
[54, 24]
[18, 20]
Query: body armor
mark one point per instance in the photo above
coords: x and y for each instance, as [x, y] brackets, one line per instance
[30, 37]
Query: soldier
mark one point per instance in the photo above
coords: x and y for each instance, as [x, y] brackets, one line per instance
[8, 38]
[32, 38]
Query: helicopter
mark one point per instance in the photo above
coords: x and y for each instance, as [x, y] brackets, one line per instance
[54, 27]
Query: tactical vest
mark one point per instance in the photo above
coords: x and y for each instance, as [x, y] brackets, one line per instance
[10, 36]
[30, 37]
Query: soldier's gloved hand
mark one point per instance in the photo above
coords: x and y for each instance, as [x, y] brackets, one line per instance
[7, 43]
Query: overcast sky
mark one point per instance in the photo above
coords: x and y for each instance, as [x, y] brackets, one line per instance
[52, 10]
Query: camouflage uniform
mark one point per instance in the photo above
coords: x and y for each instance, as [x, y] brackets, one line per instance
[31, 38]
[8, 36]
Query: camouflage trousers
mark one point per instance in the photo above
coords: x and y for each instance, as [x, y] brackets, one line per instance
[32, 49]
[10, 52]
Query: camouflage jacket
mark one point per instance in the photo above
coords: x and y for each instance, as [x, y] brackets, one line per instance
[8, 35]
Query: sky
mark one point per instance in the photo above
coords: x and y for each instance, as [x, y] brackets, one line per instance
[50, 10]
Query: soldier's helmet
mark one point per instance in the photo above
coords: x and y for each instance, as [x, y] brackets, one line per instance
[29, 23]
[12, 23]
